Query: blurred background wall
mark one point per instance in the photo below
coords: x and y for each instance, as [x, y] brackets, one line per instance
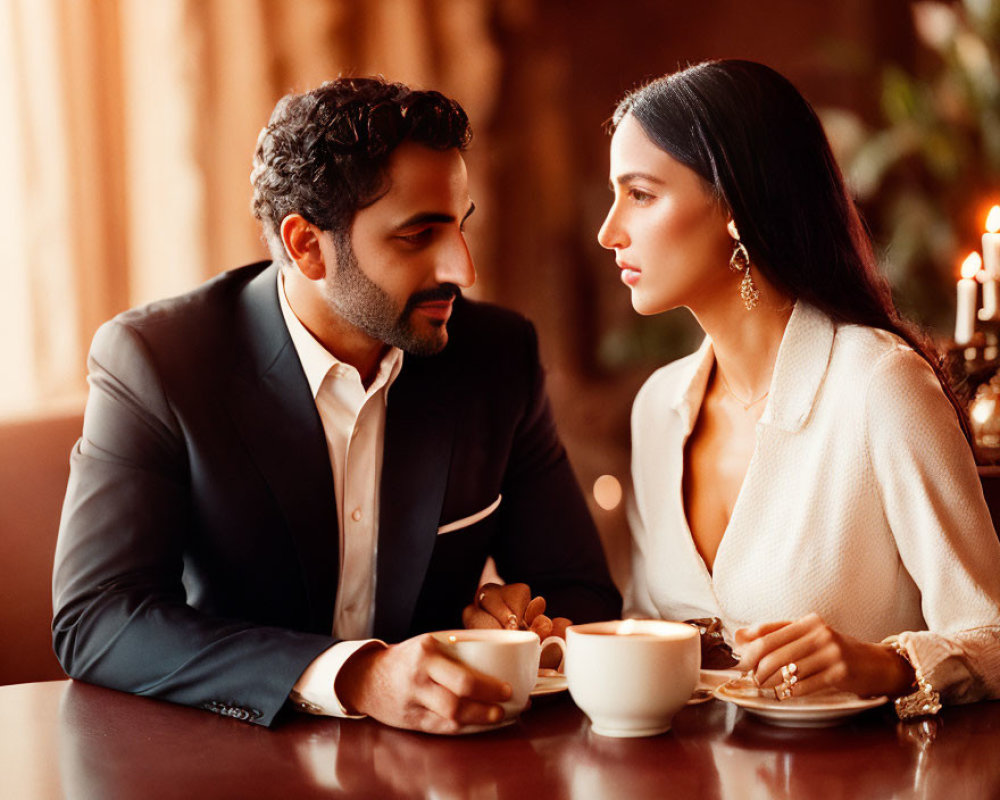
[128, 128]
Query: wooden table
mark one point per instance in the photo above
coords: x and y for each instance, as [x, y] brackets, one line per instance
[64, 739]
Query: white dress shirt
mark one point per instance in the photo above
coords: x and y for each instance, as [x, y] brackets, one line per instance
[353, 419]
[861, 502]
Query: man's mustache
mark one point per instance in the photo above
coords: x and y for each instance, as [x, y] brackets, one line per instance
[441, 292]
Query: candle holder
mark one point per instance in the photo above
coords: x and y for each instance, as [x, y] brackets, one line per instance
[973, 371]
[971, 364]
[984, 418]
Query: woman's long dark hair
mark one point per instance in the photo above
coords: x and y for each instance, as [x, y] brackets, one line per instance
[758, 143]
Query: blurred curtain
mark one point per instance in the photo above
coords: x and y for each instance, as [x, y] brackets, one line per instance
[129, 129]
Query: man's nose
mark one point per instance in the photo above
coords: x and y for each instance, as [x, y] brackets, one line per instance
[455, 265]
[611, 236]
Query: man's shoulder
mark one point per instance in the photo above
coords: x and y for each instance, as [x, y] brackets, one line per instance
[203, 307]
[196, 332]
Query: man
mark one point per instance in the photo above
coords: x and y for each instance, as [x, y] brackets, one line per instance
[267, 489]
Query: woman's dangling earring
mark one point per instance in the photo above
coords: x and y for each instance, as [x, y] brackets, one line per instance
[740, 262]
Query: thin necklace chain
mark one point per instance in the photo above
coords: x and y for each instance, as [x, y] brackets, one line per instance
[746, 406]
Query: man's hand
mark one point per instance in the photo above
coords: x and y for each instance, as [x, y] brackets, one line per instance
[512, 607]
[413, 685]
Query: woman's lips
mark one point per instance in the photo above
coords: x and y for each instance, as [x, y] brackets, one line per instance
[629, 274]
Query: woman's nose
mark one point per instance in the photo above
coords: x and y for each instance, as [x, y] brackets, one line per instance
[611, 236]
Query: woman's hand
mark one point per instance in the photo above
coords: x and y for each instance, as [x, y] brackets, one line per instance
[512, 607]
[818, 657]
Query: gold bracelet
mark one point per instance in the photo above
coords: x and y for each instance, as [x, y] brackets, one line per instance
[925, 700]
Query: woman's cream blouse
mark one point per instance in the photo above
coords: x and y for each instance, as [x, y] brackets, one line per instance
[861, 503]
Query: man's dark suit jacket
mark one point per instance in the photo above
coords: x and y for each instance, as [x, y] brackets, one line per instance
[198, 551]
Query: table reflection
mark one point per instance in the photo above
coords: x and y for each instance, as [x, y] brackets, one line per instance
[115, 745]
[923, 759]
[110, 750]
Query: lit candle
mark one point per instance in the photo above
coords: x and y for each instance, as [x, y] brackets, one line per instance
[991, 261]
[965, 314]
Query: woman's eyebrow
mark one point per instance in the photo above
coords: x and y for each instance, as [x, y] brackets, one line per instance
[628, 177]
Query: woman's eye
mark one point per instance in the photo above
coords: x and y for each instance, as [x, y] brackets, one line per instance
[420, 237]
[639, 196]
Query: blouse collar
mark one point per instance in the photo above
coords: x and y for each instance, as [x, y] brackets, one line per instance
[801, 364]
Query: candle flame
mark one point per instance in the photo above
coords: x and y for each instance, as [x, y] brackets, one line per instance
[993, 220]
[972, 264]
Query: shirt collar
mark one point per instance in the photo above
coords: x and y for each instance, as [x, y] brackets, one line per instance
[799, 369]
[317, 361]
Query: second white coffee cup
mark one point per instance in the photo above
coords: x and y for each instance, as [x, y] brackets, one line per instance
[631, 676]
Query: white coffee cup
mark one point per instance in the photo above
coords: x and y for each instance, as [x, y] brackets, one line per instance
[631, 676]
[510, 656]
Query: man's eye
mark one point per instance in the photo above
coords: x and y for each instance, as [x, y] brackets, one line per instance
[419, 237]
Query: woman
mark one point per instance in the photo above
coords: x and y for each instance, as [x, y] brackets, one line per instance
[806, 475]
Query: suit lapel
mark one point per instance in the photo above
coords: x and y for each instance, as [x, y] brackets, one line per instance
[419, 433]
[274, 410]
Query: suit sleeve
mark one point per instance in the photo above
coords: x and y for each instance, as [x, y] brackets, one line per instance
[548, 537]
[121, 617]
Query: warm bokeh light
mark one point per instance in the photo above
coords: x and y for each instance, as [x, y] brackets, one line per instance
[983, 409]
[993, 220]
[972, 264]
[607, 492]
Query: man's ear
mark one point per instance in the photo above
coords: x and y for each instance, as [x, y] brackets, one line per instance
[301, 240]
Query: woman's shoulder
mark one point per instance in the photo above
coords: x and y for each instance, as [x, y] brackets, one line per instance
[889, 373]
[877, 353]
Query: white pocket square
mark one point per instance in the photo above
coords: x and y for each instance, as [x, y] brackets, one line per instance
[465, 522]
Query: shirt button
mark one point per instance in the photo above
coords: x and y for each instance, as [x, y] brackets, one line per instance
[356, 515]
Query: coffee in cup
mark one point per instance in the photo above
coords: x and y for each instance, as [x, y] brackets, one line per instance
[631, 676]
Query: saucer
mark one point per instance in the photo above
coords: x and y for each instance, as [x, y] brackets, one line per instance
[812, 711]
[708, 681]
[549, 684]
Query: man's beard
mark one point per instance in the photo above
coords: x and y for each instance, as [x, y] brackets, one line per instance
[367, 306]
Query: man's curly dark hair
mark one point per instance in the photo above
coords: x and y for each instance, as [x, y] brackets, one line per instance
[324, 153]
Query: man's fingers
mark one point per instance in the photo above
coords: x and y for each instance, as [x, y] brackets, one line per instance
[473, 617]
[446, 713]
[465, 683]
[490, 599]
[533, 609]
[516, 596]
[542, 625]
[472, 712]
